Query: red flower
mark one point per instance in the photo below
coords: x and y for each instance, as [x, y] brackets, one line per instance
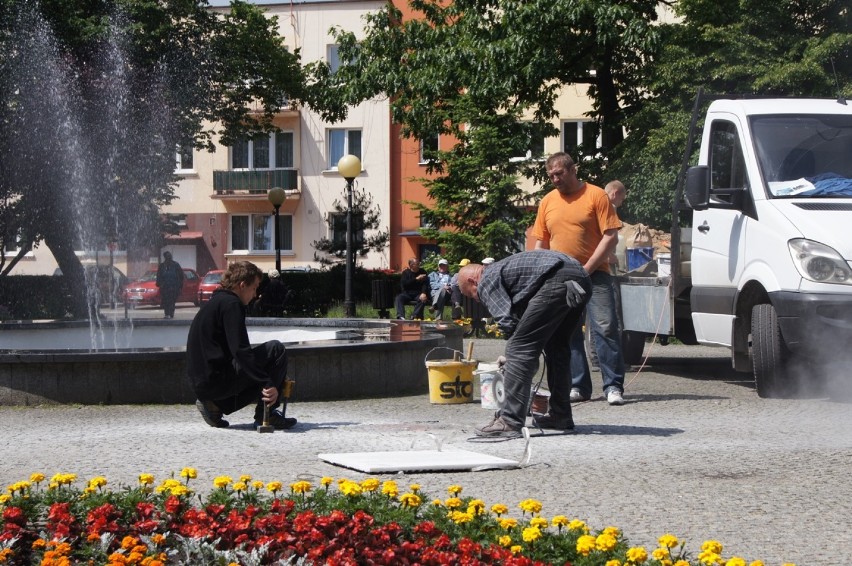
[172, 505]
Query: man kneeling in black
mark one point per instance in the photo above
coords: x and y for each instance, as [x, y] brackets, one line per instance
[226, 372]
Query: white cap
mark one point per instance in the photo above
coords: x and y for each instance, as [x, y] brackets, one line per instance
[443, 262]
[273, 273]
[487, 261]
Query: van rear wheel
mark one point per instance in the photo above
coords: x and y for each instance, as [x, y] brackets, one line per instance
[769, 355]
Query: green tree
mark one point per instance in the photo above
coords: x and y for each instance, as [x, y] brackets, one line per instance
[487, 73]
[752, 47]
[96, 97]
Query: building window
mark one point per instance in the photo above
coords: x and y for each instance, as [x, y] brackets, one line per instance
[273, 151]
[338, 236]
[342, 142]
[579, 134]
[256, 232]
[183, 158]
[427, 148]
[333, 58]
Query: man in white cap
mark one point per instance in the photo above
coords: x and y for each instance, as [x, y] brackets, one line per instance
[488, 261]
[439, 283]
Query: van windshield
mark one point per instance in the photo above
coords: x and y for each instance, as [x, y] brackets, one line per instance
[805, 155]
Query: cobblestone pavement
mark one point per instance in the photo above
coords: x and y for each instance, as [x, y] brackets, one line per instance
[694, 452]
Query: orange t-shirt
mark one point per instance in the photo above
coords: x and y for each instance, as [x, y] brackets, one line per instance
[574, 224]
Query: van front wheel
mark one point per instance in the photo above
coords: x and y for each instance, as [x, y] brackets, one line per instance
[769, 354]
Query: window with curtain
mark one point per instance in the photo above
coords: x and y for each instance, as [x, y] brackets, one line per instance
[342, 142]
[273, 151]
[256, 232]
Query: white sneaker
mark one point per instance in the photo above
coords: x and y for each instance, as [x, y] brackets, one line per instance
[614, 397]
[576, 396]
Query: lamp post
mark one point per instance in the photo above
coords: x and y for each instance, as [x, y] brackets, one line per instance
[349, 167]
[277, 196]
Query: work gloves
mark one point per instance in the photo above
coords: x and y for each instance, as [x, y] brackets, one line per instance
[575, 295]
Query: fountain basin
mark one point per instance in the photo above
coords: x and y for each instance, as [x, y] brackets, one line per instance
[145, 363]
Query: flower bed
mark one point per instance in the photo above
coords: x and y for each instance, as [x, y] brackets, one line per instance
[339, 522]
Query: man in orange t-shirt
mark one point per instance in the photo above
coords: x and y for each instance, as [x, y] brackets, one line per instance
[576, 218]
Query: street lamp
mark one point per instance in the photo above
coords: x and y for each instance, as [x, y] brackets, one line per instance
[277, 196]
[349, 167]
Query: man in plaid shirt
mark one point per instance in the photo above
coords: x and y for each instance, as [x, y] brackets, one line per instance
[536, 298]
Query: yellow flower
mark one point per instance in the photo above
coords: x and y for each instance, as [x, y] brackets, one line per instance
[681, 563]
[637, 554]
[326, 481]
[559, 521]
[668, 540]
[578, 525]
[64, 479]
[713, 546]
[585, 544]
[350, 488]
[179, 490]
[735, 561]
[257, 484]
[5, 498]
[245, 478]
[240, 486]
[454, 489]
[453, 503]
[221, 481]
[370, 484]
[168, 485]
[390, 488]
[660, 553]
[605, 542]
[709, 557]
[516, 549]
[530, 506]
[756, 563]
[531, 534]
[538, 522]
[37, 477]
[437, 502]
[504, 540]
[97, 482]
[274, 486]
[459, 517]
[415, 487]
[410, 500]
[158, 538]
[508, 523]
[499, 509]
[612, 531]
[146, 479]
[612, 563]
[300, 486]
[189, 473]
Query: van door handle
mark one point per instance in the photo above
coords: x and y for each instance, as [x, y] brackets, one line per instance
[704, 228]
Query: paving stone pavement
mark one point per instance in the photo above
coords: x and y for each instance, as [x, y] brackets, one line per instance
[694, 452]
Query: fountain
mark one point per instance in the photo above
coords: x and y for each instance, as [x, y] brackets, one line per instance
[106, 142]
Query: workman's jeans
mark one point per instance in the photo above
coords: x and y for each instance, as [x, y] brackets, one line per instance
[546, 325]
[606, 338]
[243, 390]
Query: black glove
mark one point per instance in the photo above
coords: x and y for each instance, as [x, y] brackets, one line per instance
[576, 295]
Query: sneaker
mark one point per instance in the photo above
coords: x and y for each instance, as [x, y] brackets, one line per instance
[499, 428]
[548, 422]
[614, 397]
[576, 396]
[278, 420]
[211, 413]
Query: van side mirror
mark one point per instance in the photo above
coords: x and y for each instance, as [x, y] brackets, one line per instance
[698, 187]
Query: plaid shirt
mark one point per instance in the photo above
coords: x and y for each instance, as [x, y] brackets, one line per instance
[512, 282]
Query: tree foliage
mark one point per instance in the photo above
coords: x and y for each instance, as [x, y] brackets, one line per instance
[95, 98]
[486, 73]
[366, 218]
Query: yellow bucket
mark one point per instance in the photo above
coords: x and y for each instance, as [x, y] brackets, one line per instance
[451, 381]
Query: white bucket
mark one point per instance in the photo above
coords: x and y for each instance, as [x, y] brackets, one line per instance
[664, 265]
[486, 375]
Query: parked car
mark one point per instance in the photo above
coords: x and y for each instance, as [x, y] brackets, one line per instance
[144, 291]
[100, 275]
[209, 283]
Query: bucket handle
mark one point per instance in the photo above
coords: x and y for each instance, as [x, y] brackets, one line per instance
[426, 358]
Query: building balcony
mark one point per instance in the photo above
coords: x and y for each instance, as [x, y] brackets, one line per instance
[230, 184]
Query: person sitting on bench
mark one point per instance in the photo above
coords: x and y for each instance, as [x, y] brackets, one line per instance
[415, 288]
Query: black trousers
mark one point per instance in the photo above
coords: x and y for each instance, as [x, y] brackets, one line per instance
[237, 390]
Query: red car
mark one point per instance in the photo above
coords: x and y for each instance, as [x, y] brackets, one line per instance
[208, 284]
[144, 291]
